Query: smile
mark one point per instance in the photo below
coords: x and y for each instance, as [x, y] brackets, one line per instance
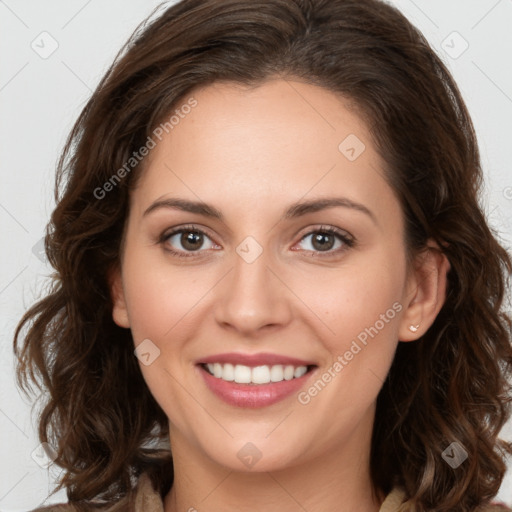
[264, 374]
[254, 387]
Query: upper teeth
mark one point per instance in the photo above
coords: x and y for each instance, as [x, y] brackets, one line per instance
[257, 375]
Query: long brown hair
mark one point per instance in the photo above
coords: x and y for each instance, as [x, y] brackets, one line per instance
[450, 386]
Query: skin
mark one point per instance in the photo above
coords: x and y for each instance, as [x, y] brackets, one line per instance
[251, 154]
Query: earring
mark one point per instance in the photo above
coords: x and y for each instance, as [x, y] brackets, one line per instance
[414, 328]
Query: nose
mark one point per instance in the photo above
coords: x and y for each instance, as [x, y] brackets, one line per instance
[252, 299]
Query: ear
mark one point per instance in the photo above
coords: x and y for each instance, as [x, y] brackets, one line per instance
[425, 292]
[119, 309]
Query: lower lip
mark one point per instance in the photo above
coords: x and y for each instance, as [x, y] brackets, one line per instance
[253, 395]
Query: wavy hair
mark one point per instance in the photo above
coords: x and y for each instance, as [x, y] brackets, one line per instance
[451, 386]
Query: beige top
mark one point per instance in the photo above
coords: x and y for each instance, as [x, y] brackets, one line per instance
[147, 499]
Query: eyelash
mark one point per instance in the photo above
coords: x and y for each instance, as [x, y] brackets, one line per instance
[347, 240]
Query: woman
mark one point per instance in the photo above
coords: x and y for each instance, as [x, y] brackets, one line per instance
[271, 263]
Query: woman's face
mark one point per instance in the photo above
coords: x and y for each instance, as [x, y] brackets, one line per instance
[263, 276]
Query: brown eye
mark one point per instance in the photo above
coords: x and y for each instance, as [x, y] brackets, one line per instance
[185, 241]
[323, 241]
[191, 240]
[328, 240]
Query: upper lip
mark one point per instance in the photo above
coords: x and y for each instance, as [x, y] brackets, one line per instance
[263, 358]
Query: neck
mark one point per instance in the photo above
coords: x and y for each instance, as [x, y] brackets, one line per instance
[338, 479]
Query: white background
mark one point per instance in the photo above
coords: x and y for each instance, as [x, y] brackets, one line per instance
[41, 97]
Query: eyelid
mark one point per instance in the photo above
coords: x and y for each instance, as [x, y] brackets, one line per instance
[326, 228]
[166, 235]
[345, 237]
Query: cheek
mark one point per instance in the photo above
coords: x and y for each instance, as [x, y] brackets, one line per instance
[360, 298]
[360, 310]
[159, 297]
[161, 302]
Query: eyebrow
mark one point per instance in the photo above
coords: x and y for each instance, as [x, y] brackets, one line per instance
[295, 210]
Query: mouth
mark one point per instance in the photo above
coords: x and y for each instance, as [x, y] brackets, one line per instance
[256, 375]
[253, 387]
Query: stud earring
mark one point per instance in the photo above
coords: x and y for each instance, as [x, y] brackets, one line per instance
[414, 328]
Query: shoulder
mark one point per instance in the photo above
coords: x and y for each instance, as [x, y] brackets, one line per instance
[144, 497]
[396, 501]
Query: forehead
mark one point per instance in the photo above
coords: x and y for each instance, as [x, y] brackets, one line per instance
[274, 143]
